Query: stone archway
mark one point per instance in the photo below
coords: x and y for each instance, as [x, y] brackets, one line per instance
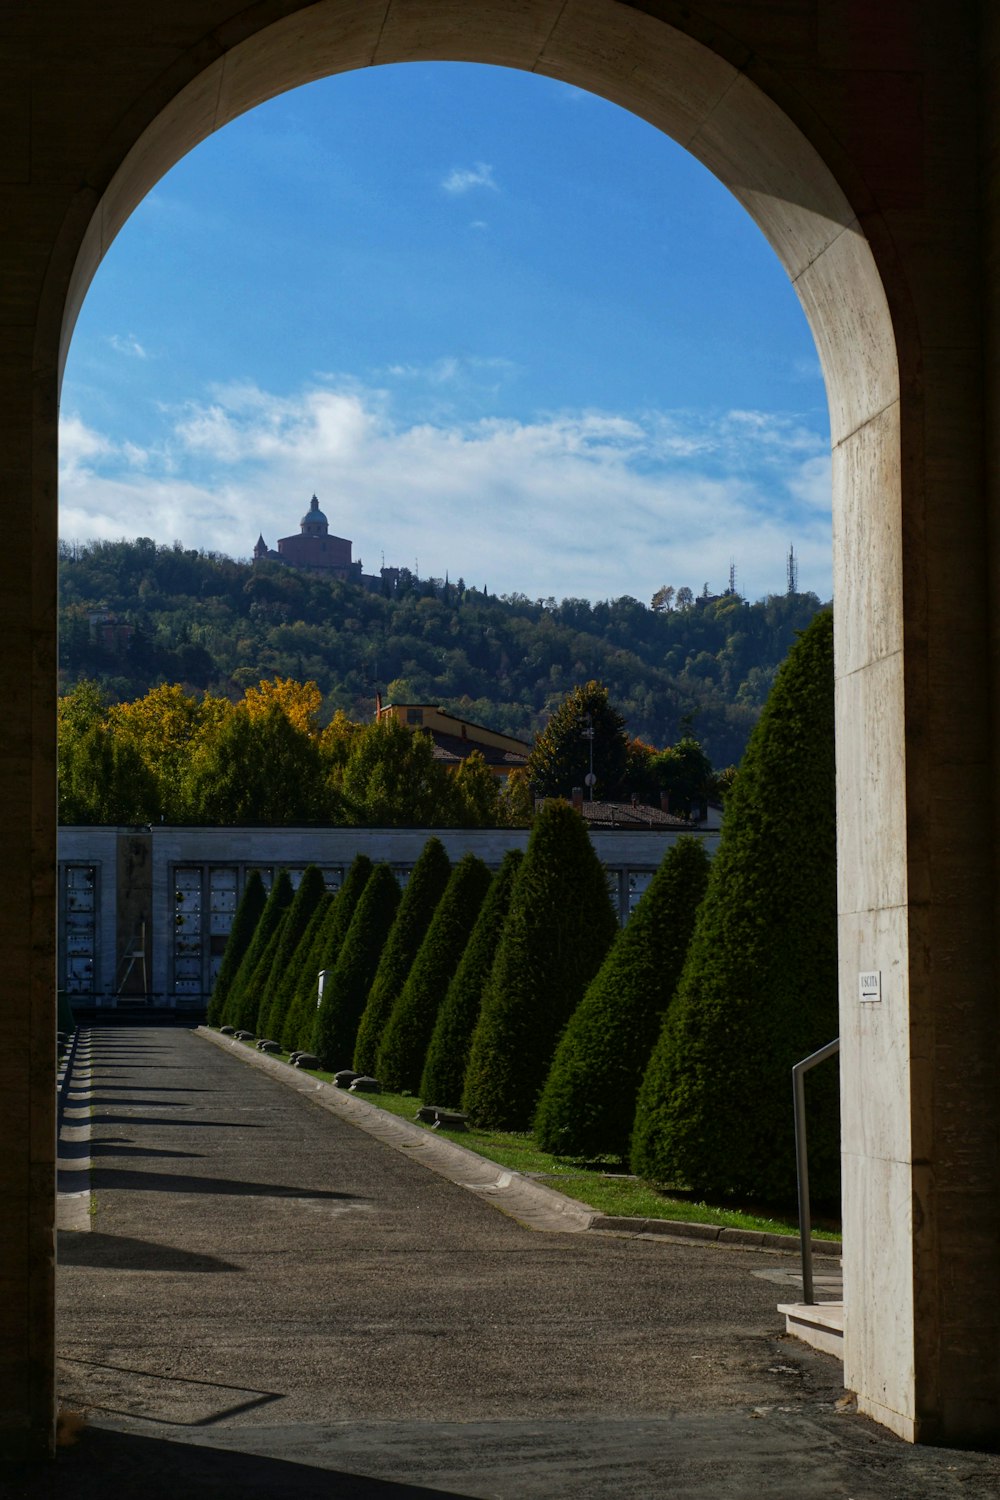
[819, 125]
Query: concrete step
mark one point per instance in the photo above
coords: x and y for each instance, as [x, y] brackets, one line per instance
[820, 1324]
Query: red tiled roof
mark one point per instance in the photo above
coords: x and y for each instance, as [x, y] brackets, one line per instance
[631, 815]
[451, 749]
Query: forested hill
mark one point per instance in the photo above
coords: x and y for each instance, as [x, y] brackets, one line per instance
[134, 614]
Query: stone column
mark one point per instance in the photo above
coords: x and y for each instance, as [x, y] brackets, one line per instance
[27, 898]
[921, 1104]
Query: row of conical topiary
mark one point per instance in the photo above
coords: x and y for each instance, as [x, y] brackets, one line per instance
[516, 996]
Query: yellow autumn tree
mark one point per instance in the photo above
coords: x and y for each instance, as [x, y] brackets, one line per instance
[164, 729]
[300, 702]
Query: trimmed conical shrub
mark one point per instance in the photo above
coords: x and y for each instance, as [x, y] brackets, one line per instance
[276, 992]
[587, 1107]
[424, 890]
[448, 1053]
[758, 991]
[348, 983]
[300, 969]
[248, 1005]
[278, 902]
[245, 920]
[558, 929]
[401, 1054]
[301, 1018]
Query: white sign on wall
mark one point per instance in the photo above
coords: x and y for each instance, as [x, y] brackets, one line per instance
[870, 986]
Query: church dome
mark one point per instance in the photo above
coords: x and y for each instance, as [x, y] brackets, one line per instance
[314, 516]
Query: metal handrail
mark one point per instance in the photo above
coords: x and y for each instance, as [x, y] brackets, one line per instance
[802, 1161]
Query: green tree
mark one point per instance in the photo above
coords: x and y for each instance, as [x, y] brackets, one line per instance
[347, 985]
[560, 757]
[278, 902]
[517, 802]
[83, 706]
[685, 773]
[587, 1107]
[392, 780]
[332, 930]
[248, 914]
[165, 729]
[103, 779]
[403, 1047]
[277, 990]
[259, 768]
[478, 793]
[759, 986]
[303, 980]
[254, 991]
[448, 1052]
[558, 929]
[300, 1006]
[424, 890]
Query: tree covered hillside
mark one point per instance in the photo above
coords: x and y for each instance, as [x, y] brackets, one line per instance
[134, 614]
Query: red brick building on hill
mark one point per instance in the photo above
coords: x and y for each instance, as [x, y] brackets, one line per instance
[315, 549]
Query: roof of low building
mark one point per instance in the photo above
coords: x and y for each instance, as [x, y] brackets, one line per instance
[451, 748]
[631, 815]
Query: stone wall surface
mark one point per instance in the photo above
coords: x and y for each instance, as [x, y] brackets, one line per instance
[863, 140]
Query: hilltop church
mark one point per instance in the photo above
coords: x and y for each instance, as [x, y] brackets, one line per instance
[315, 549]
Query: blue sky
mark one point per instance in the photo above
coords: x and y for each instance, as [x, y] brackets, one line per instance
[501, 327]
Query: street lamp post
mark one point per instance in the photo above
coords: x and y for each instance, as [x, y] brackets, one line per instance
[588, 734]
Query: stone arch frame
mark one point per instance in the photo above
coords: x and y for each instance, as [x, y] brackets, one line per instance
[721, 116]
[761, 121]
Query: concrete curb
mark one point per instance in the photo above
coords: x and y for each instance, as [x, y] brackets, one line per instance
[531, 1203]
[717, 1233]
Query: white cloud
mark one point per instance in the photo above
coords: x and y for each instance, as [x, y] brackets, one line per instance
[128, 344]
[464, 179]
[586, 503]
[82, 450]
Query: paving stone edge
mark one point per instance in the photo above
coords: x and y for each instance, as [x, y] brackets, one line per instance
[530, 1202]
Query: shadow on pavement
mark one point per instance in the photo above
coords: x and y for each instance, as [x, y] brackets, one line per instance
[148, 1088]
[185, 1122]
[124, 1465]
[114, 1252]
[125, 1104]
[114, 1148]
[179, 1182]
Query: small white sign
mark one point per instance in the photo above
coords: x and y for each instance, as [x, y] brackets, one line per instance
[870, 986]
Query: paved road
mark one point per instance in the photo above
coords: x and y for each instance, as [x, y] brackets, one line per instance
[262, 1278]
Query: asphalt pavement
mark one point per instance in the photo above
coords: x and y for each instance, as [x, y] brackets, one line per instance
[270, 1301]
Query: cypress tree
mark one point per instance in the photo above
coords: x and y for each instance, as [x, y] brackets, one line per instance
[587, 1107]
[448, 1052]
[758, 991]
[558, 929]
[278, 902]
[404, 1042]
[300, 968]
[424, 890]
[248, 1004]
[275, 997]
[347, 985]
[298, 1027]
[245, 920]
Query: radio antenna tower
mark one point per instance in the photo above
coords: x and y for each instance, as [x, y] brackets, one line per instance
[732, 575]
[793, 572]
